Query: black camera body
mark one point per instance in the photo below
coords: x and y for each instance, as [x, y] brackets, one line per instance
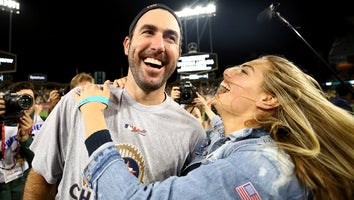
[64, 91]
[188, 93]
[15, 104]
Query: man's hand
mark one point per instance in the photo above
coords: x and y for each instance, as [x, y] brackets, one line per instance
[2, 106]
[54, 96]
[25, 125]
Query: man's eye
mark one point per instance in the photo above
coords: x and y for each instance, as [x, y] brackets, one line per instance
[172, 38]
[148, 32]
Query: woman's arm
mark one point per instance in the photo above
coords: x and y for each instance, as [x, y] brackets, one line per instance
[93, 100]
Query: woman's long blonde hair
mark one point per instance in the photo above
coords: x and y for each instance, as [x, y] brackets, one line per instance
[318, 135]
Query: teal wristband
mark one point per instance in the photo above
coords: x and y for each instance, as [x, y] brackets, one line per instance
[100, 99]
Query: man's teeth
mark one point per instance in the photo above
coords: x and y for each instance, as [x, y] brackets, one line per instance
[153, 61]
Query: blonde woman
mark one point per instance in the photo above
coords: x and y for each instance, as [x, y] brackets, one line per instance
[283, 140]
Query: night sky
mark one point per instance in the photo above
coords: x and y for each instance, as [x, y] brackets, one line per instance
[61, 38]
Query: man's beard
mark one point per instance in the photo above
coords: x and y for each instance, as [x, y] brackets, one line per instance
[141, 80]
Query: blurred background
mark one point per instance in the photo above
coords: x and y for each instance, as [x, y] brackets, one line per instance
[54, 40]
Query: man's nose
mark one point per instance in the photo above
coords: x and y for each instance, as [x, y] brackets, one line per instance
[158, 43]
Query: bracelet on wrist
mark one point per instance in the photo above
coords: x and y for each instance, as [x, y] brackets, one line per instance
[100, 99]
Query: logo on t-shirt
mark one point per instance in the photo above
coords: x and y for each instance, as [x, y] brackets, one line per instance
[133, 160]
[134, 129]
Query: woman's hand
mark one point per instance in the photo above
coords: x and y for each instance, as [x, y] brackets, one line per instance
[91, 90]
[94, 104]
[120, 82]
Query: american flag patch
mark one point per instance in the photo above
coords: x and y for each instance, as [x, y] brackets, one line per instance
[248, 192]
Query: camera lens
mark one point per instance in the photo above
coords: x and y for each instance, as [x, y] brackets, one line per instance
[25, 101]
[186, 94]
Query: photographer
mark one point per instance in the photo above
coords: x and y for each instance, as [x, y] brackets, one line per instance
[79, 79]
[185, 93]
[18, 126]
[194, 103]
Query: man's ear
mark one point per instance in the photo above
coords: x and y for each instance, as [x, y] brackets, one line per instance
[267, 102]
[126, 44]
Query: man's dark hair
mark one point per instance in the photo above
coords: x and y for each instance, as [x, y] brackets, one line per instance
[22, 85]
[153, 7]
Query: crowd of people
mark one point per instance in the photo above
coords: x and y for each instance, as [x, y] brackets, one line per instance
[21, 118]
[268, 131]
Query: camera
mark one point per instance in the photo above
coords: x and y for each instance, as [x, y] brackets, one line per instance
[188, 93]
[64, 91]
[15, 104]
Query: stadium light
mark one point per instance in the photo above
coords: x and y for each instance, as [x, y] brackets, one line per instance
[196, 13]
[10, 5]
[13, 7]
[199, 11]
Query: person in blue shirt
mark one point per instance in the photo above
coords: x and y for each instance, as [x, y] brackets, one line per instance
[282, 139]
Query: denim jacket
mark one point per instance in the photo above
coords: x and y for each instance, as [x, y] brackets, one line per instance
[247, 165]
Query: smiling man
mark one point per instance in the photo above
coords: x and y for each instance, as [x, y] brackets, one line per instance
[155, 135]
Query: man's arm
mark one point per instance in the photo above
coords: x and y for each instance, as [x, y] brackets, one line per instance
[36, 187]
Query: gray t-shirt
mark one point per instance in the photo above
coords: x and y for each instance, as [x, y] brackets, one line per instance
[155, 141]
